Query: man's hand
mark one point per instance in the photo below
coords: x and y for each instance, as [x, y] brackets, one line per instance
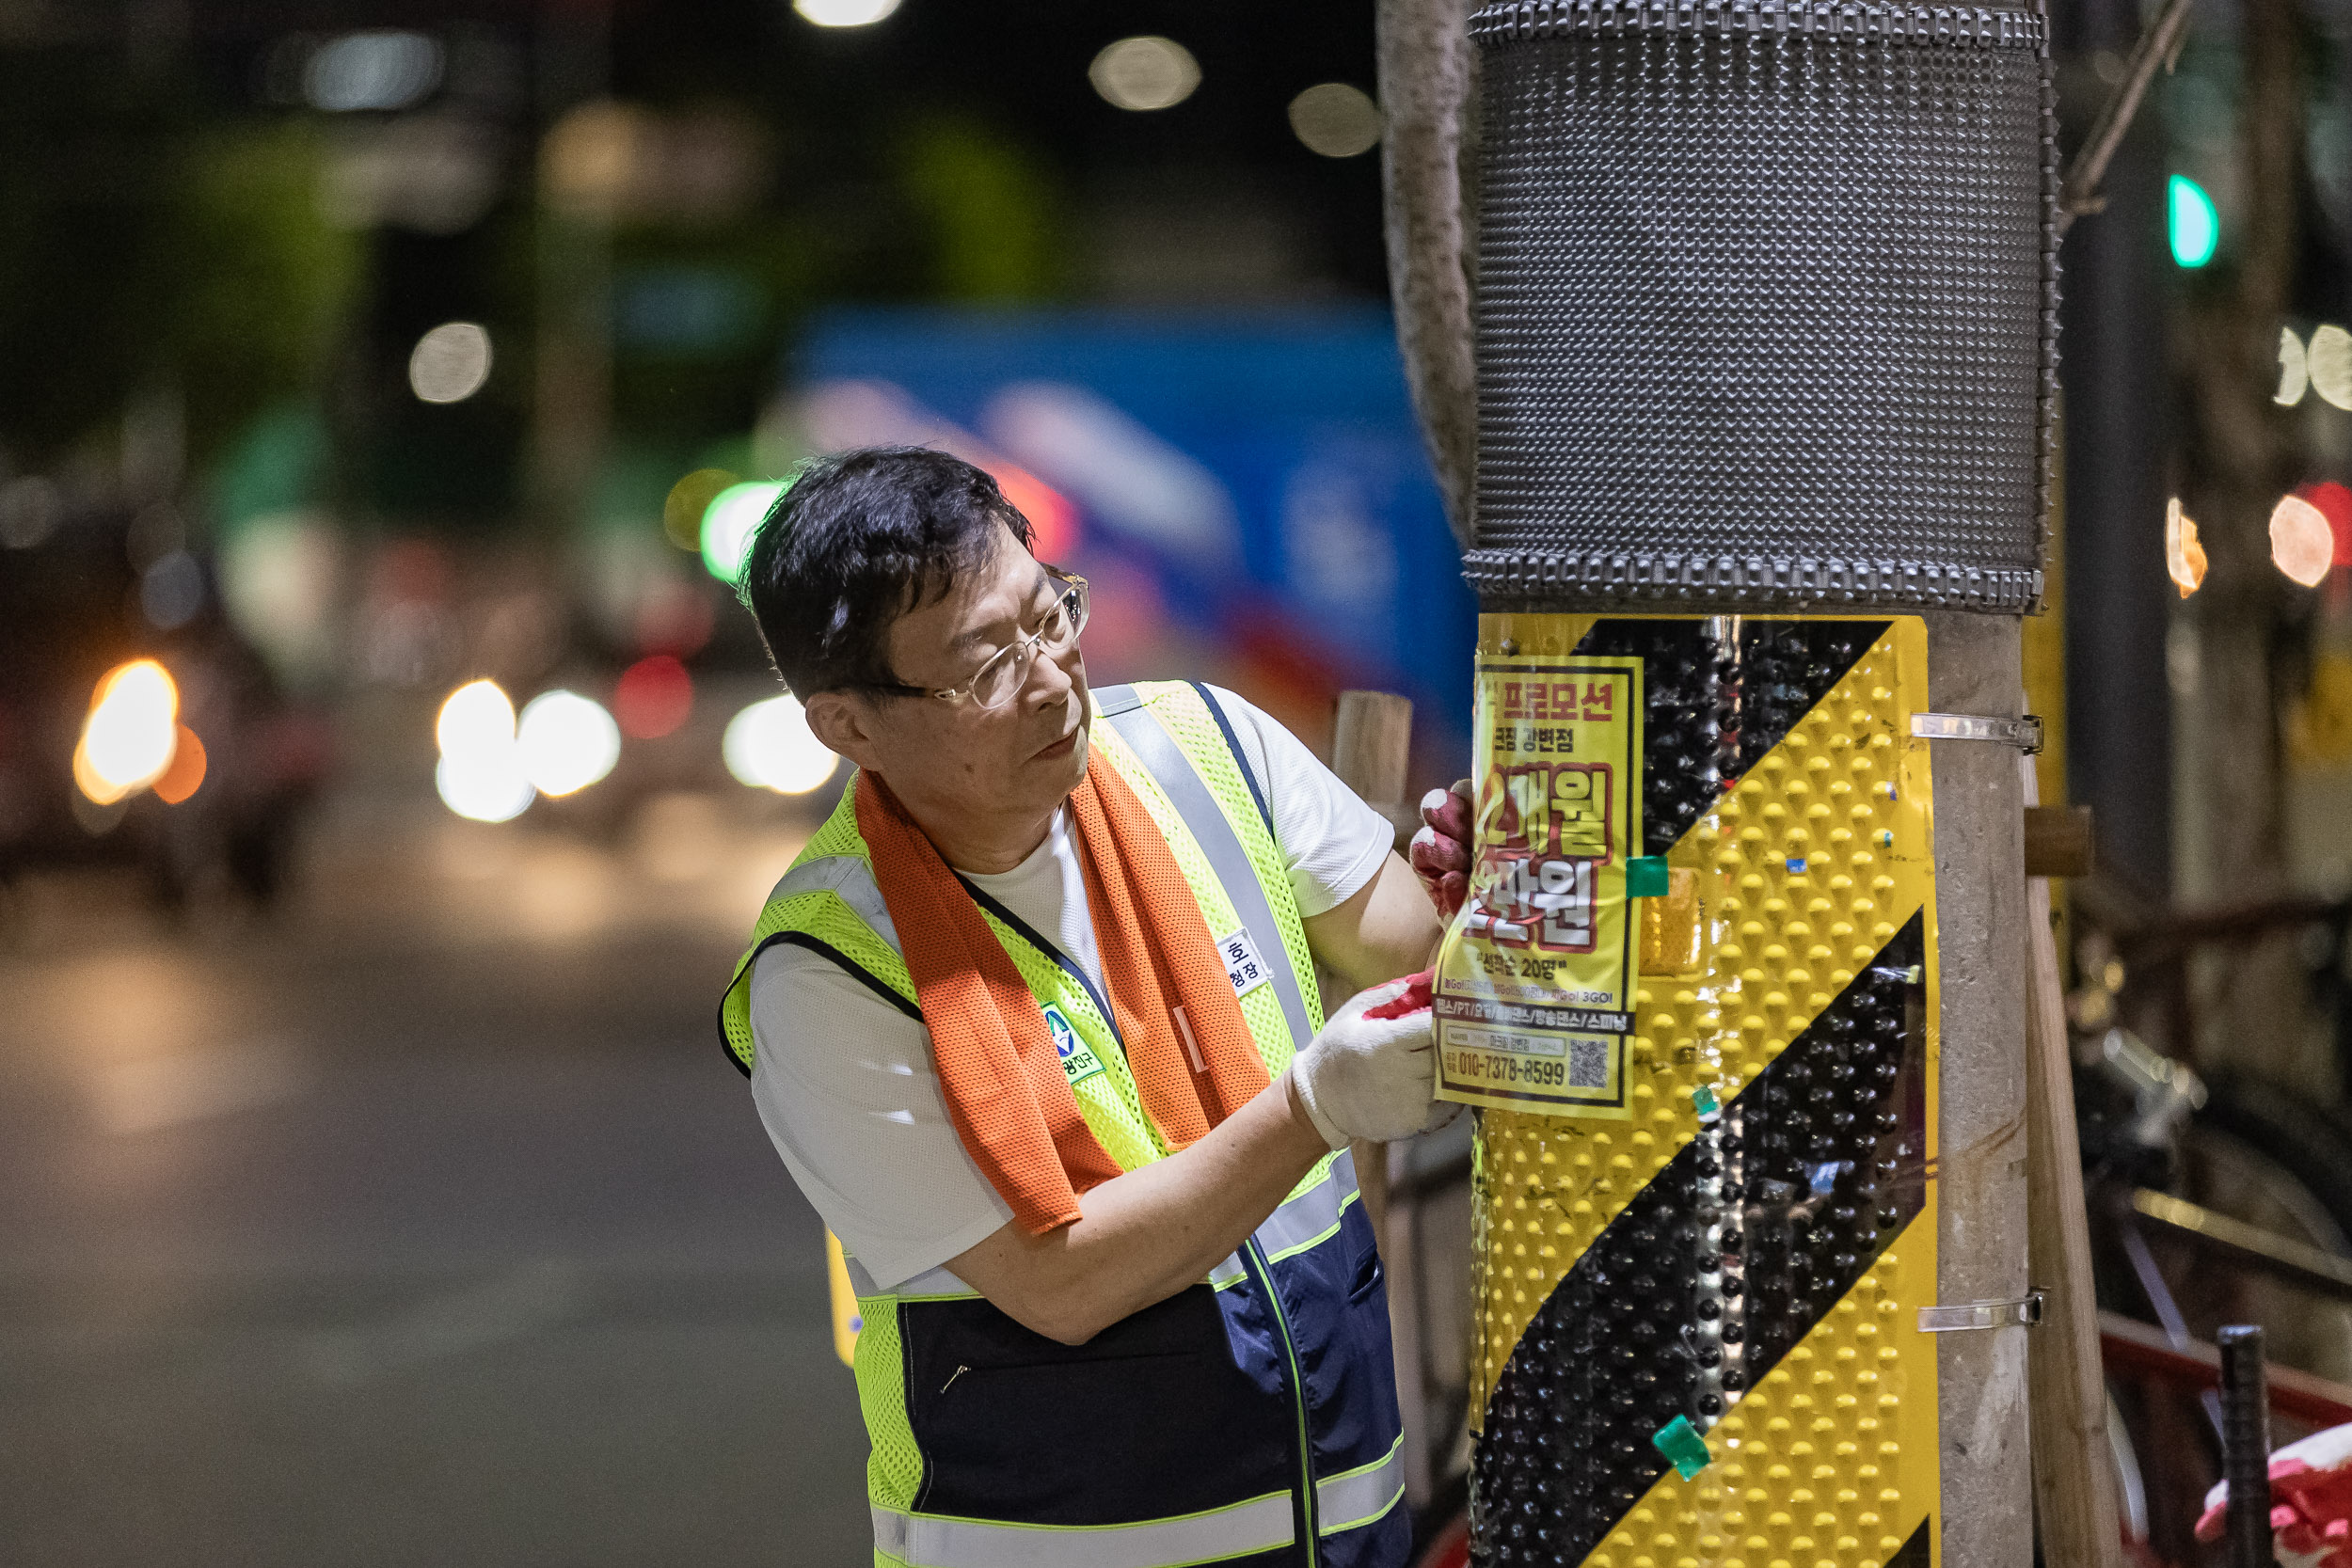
[1441, 850]
[1372, 1071]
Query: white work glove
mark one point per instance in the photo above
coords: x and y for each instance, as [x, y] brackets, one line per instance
[1373, 1078]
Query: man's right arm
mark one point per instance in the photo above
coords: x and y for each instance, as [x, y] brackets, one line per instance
[1144, 1236]
[845, 1086]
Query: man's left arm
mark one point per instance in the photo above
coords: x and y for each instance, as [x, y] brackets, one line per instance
[1385, 928]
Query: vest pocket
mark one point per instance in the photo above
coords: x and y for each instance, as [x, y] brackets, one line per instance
[1151, 1417]
[1368, 1277]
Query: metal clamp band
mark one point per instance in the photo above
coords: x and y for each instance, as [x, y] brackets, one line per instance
[2024, 1312]
[2024, 734]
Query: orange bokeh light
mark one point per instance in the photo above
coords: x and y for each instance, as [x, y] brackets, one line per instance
[2183, 556]
[185, 775]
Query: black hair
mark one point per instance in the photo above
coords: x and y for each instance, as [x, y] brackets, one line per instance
[858, 539]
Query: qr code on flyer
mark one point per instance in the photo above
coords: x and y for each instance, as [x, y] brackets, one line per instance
[1588, 1064]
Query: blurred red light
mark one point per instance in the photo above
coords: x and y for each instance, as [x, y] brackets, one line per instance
[653, 698]
[2335, 503]
[1054, 520]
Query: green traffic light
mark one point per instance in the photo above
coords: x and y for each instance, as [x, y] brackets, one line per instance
[729, 521]
[2196, 227]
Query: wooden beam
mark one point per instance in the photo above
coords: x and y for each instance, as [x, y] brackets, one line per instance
[2067, 1404]
[1372, 743]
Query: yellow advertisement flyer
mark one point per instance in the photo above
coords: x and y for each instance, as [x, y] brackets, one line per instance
[1534, 987]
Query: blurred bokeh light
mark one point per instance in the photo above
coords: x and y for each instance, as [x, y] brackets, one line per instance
[2195, 226]
[450, 363]
[568, 741]
[1335, 119]
[683, 507]
[1145, 74]
[2295, 377]
[481, 771]
[769, 746]
[844, 13]
[2303, 544]
[185, 776]
[379, 69]
[653, 697]
[171, 591]
[2183, 555]
[129, 736]
[730, 520]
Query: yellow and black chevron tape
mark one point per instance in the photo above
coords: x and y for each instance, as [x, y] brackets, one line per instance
[1695, 1336]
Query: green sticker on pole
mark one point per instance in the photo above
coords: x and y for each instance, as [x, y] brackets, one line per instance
[1684, 1448]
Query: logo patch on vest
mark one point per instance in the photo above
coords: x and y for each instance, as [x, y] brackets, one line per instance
[1078, 1061]
[1241, 962]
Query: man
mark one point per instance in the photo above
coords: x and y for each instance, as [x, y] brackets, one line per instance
[1033, 1022]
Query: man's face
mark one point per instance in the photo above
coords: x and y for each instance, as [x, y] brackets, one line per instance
[955, 758]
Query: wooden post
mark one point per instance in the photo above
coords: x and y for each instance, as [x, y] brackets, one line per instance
[2074, 1481]
[1372, 737]
[1371, 741]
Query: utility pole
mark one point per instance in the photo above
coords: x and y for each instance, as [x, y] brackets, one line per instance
[2119, 700]
[1762, 300]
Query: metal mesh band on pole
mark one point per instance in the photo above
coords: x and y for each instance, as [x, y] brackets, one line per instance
[1766, 306]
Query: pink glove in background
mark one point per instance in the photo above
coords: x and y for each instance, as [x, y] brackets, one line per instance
[2310, 1501]
[1440, 852]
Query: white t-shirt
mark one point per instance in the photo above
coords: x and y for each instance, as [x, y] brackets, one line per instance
[844, 1083]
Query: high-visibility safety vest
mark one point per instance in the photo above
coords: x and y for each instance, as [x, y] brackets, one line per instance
[1248, 1419]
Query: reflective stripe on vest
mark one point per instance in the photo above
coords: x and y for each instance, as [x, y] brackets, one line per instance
[1190, 795]
[1343, 1502]
[849, 878]
[1303, 1220]
[925, 1541]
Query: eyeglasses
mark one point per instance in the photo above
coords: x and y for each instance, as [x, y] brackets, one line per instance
[996, 682]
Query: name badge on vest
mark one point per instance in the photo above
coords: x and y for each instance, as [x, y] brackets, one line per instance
[1078, 1061]
[1242, 965]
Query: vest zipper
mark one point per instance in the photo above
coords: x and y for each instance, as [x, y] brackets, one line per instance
[1252, 1252]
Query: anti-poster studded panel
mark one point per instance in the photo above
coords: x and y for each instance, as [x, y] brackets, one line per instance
[1697, 1335]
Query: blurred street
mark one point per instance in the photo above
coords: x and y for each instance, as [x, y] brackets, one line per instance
[420, 1221]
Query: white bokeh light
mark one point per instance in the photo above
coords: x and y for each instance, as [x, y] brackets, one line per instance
[1145, 74]
[567, 741]
[130, 734]
[477, 717]
[769, 746]
[487, 789]
[481, 771]
[450, 363]
[1336, 120]
[844, 13]
[378, 69]
[2302, 542]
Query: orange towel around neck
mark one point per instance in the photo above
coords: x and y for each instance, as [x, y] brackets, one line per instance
[1005, 1089]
